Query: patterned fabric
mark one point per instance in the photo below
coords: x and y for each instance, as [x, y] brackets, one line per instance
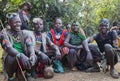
[76, 38]
[38, 39]
[5, 44]
[39, 69]
[19, 42]
[61, 37]
[41, 42]
[64, 51]
[57, 34]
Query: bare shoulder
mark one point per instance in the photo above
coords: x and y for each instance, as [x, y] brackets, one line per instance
[82, 32]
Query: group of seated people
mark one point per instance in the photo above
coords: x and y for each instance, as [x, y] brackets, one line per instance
[39, 54]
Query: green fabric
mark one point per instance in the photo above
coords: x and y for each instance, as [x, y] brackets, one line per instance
[18, 46]
[58, 68]
[76, 38]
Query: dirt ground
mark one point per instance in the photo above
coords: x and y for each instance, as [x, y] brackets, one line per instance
[79, 76]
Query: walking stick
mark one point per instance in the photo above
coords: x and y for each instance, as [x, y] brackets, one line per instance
[16, 57]
[21, 69]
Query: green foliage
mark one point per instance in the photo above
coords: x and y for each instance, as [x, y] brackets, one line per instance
[87, 12]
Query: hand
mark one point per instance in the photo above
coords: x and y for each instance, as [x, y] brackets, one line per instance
[45, 59]
[58, 56]
[25, 61]
[80, 47]
[65, 50]
[33, 59]
[89, 58]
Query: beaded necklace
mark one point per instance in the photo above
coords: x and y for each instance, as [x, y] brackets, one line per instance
[16, 37]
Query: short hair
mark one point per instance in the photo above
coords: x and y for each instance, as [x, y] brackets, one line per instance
[57, 18]
[75, 22]
[104, 21]
[35, 20]
[68, 25]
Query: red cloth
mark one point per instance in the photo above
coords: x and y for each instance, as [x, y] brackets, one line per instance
[61, 41]
[64, 51]
[40, 69]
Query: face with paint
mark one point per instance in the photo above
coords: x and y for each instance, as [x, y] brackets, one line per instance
[68, 27]
[75, 26]
[38, 24]
[58, 24]
[15, 23]
[104, 26]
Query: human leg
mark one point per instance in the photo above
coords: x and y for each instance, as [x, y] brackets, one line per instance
[9, 63]
[110, 56]
[96, 58]
[72, 58]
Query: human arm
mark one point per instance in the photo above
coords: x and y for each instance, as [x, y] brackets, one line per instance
[115, 39]
[7, 45]
[85, 43]
[55, 47]
[67, 44]
[10, 50]
[30, 50]
[82, 32]
[45, 59]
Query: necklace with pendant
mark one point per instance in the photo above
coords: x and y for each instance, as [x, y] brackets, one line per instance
[16, 37]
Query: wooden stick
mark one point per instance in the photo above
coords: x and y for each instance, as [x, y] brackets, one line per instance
[21, 69]
[3, 28]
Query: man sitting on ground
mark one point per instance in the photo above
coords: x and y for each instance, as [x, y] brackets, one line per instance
[107, 44]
